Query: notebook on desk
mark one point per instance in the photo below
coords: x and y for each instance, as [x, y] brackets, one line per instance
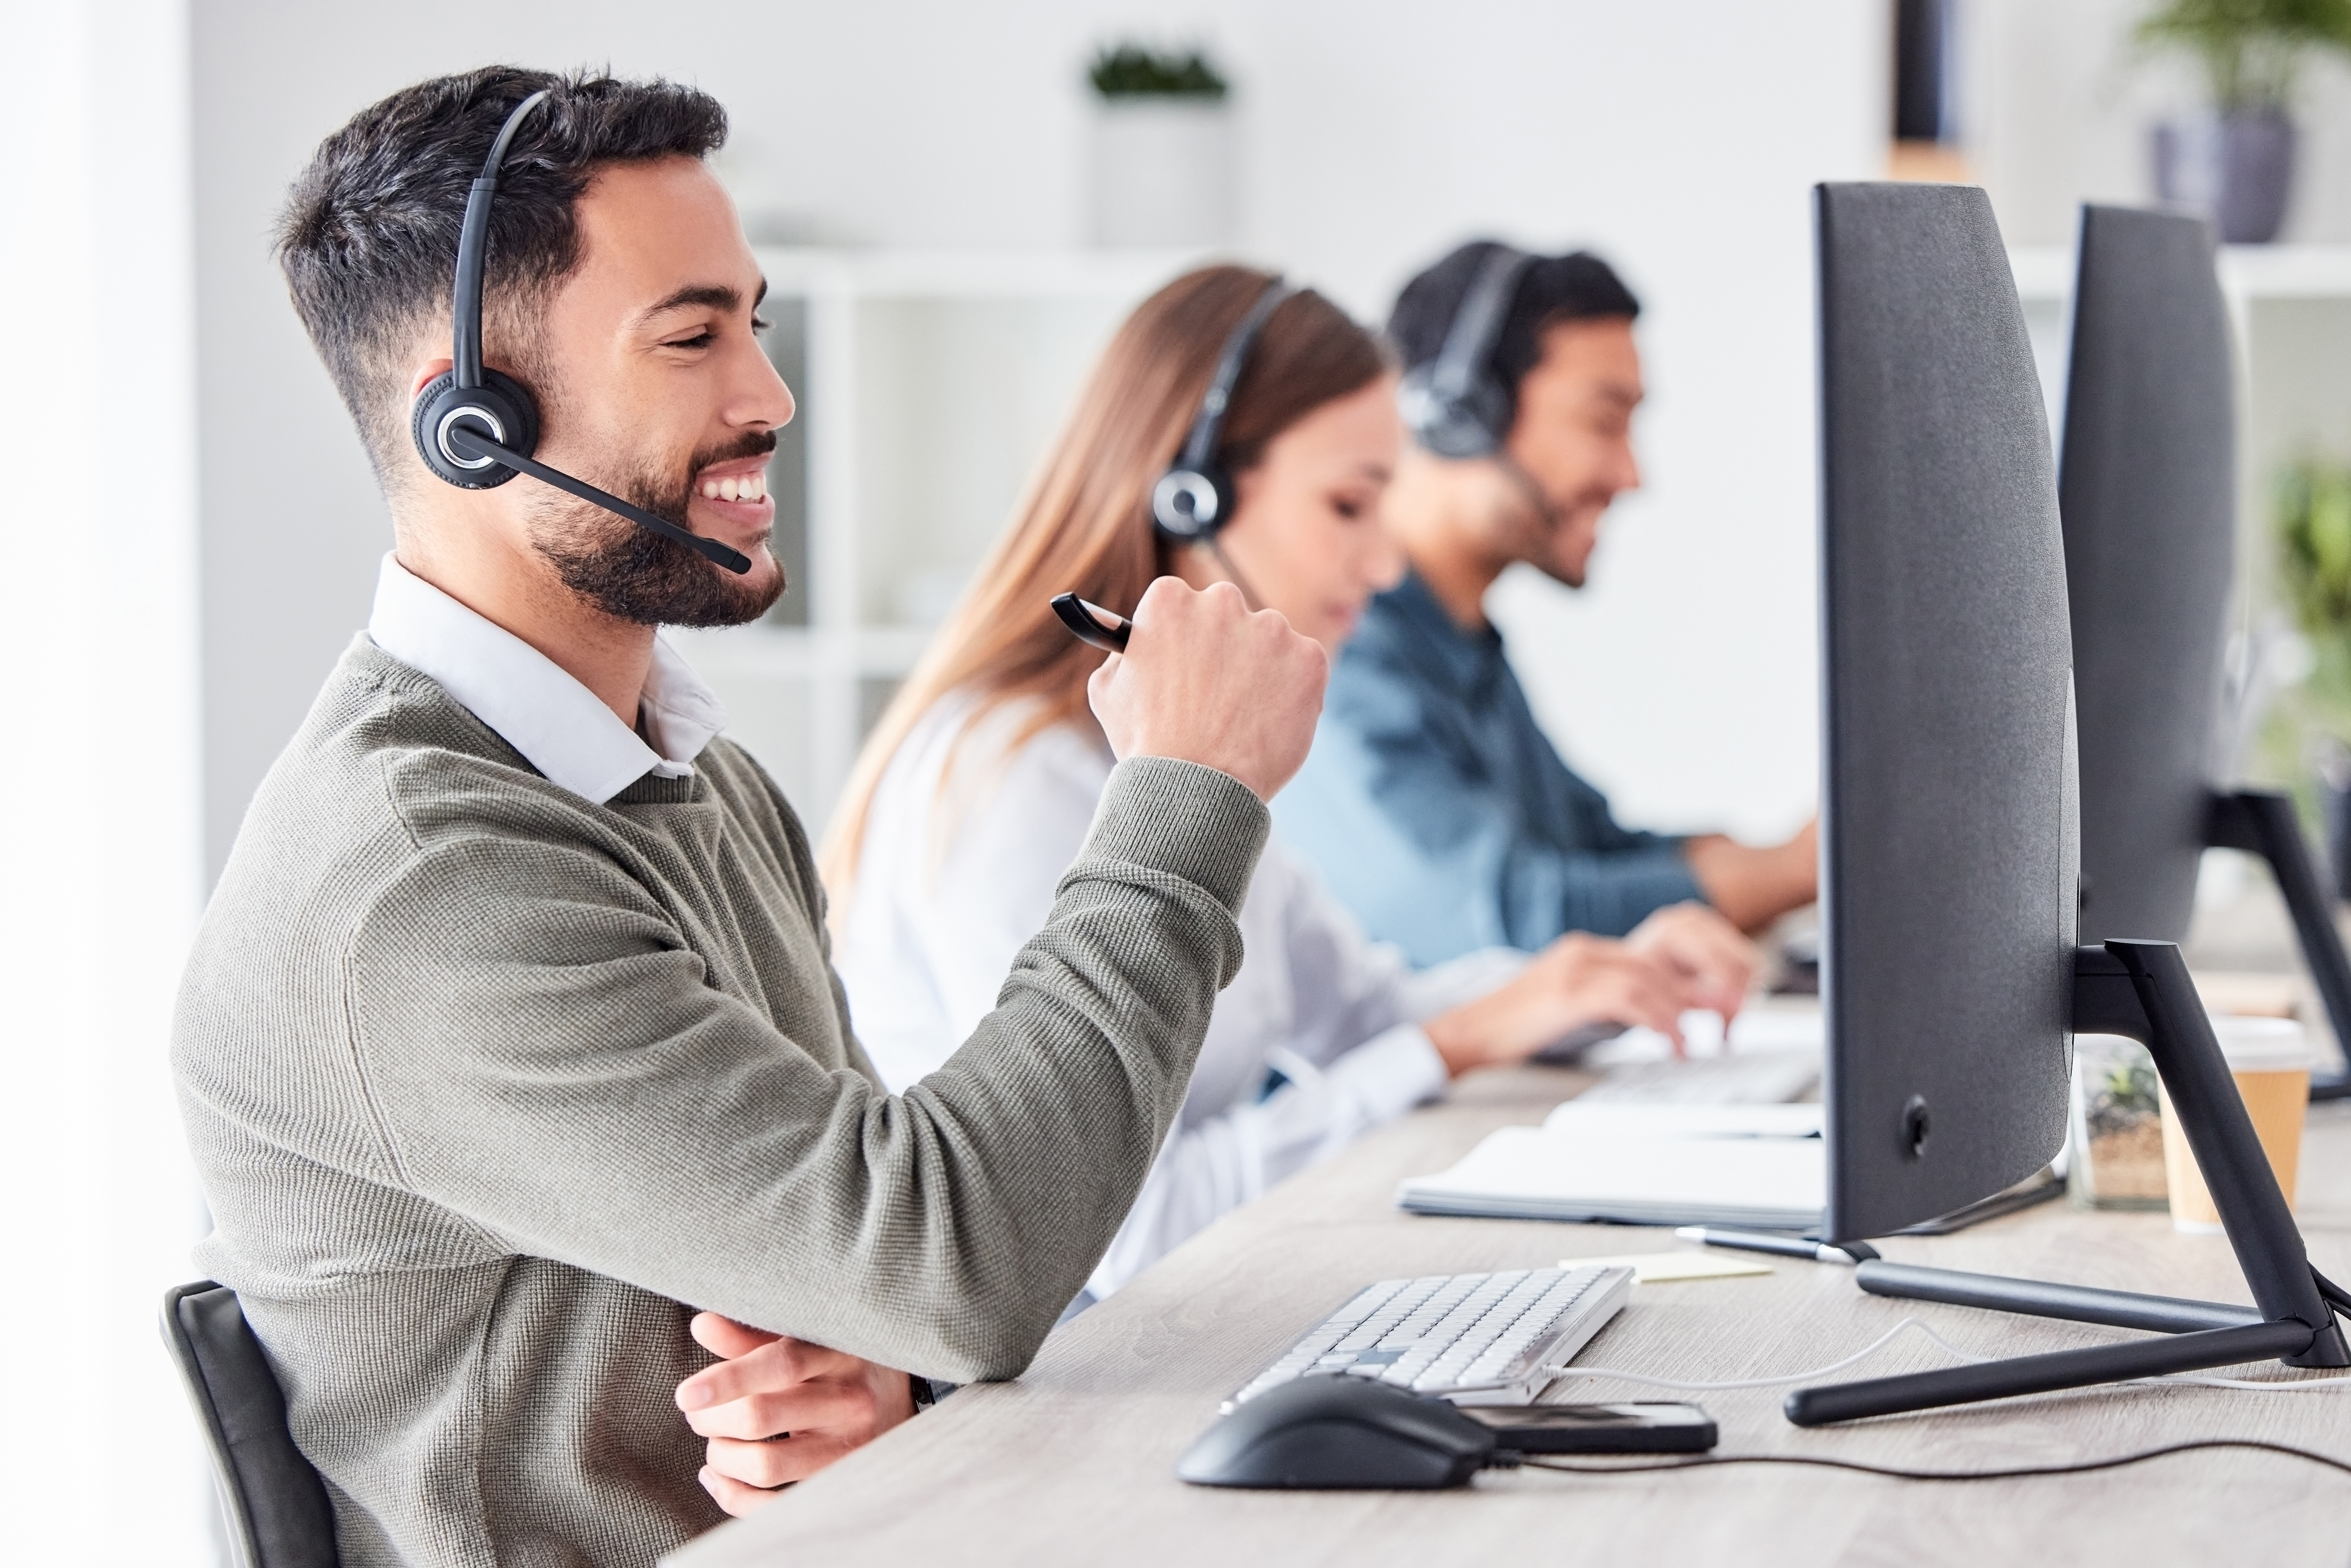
[1762, 1166]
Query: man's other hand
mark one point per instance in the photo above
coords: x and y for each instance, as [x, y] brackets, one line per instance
[777, 1410]
[1754, 887]
[1715, 962]
[1205, 680]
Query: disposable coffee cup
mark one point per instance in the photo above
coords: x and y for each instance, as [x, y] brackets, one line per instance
[2270, 1059]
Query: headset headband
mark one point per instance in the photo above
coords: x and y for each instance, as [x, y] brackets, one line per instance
[1478, 323]
[1200, 445]
[477, 429]
[472, 252]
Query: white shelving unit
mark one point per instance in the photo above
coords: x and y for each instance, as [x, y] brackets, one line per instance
[929, 386]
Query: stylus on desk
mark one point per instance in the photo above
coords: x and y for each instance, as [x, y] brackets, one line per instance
[1090, 623]
[1851, 1253]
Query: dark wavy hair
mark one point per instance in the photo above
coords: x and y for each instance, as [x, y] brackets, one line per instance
[368, 240]
[1552, 288]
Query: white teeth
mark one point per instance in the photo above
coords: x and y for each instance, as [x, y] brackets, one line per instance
[750, 487]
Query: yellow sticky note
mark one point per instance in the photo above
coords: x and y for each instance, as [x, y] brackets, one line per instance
[1654, 1268]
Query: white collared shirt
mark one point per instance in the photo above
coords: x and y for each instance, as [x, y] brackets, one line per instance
[561, 727]
[952, 882]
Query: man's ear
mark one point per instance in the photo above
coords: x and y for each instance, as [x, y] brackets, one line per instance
[427, 371]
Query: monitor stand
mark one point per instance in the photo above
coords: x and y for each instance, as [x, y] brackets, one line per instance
[2262, 822]
[2140, 989]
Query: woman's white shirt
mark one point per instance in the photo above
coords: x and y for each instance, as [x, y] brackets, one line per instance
[952, 883]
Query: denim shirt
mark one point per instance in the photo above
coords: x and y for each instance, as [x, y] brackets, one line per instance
[1439, 812]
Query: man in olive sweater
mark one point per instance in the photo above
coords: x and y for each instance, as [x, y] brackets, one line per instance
[510, 1039]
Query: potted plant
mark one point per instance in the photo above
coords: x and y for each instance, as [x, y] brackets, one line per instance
[1163, 155]
[2236, 162]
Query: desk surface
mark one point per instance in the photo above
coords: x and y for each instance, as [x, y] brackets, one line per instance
[1074, 1463]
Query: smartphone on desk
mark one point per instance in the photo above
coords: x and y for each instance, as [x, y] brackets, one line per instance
[1597, 1428]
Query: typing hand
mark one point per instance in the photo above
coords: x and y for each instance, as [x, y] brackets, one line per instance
[1204, 679]
[1577, 980]
[777, 1410]
[1716, 963]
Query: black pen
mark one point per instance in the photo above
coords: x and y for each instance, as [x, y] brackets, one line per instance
[1848, 1254]
[1090, 623]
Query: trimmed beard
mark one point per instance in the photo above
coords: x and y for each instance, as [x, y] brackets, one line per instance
[630, 572]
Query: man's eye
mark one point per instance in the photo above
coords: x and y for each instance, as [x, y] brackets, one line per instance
[701, 340]
[760, 323]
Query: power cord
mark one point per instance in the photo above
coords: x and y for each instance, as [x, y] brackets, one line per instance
[1511, 1459]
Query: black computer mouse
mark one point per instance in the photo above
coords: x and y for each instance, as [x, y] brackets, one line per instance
[1339, 1432]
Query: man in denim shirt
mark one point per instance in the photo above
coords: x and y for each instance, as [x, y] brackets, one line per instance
[1433, 804]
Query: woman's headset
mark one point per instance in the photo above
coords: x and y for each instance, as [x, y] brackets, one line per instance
[477, 429]
[1195, 496]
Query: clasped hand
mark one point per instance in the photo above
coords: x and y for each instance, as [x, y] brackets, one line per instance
[777, 1410]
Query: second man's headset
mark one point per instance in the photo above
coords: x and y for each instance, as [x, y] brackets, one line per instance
[476, 428]
[1455, 405]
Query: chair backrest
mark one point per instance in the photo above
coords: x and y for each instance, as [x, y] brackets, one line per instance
[276, 1506]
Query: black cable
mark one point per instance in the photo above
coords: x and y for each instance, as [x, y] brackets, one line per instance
[2336, 1297]
[1248, 595]
[1537, 1462]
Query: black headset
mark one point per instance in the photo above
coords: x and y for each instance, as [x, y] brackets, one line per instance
[1194, 498]
[1454, 404]
[476, 428]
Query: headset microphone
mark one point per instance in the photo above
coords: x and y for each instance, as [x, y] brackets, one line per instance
[475, 428]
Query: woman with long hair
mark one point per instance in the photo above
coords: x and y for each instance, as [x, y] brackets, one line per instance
[976, 790]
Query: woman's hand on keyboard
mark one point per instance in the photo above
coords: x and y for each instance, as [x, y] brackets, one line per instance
[1577, 980]
[1716, 963]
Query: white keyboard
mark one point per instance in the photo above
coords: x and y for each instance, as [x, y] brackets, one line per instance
[1475, 1339]
[1741, 1078]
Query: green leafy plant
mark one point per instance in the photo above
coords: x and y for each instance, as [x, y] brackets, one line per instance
[2250, 49]
[1134, 71]
[2311, 510]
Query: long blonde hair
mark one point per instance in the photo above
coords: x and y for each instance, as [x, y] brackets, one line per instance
[1085, 525]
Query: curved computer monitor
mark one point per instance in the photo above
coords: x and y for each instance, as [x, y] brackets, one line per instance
[2146, 488]
[1948, 849]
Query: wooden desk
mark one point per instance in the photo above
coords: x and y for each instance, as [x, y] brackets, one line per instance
[1074, 1463]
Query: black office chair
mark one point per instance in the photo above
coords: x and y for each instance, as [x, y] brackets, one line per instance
[273, 1501]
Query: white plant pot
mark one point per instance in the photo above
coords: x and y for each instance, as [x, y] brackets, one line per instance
[1163, 173]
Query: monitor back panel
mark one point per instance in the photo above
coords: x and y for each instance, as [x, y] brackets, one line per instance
[2148, 492]
[1948, 847]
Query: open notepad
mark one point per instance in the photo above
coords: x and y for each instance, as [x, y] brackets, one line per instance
[1759, 1166]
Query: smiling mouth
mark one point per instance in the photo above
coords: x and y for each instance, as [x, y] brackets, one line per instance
[748, 487]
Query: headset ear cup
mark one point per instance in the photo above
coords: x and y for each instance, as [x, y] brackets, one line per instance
[1471, 423]
[1190, 502]
[501, 407]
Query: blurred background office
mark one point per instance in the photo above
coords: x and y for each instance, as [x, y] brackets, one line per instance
[954, 203]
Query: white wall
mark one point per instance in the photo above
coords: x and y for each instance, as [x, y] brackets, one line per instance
[99, 1460]
[1679, 139]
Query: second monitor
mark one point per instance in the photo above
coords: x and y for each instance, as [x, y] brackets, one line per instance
[1950, 979]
